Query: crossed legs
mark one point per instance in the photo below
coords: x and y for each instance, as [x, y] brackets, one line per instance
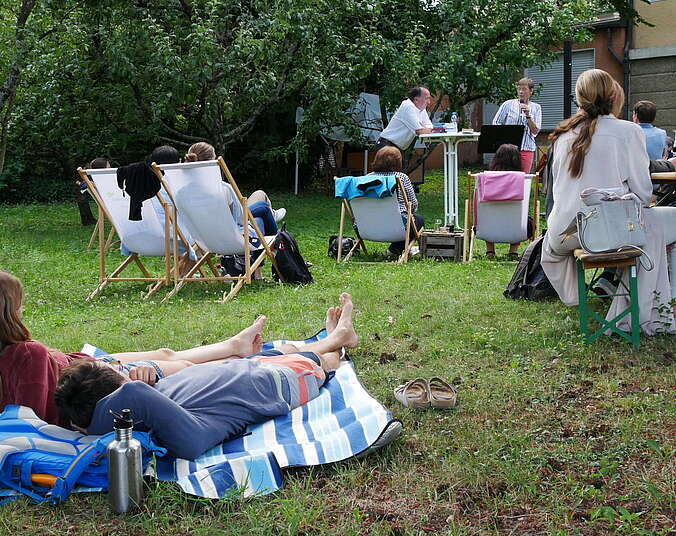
[341, 334]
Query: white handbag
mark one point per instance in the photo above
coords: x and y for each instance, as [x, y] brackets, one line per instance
[610, 226]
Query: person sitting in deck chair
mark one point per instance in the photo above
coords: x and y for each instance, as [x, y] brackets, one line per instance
[258, 202]
[203, 405]
[388, 162]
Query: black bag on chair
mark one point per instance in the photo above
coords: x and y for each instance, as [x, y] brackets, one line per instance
[529, 281]
[291, 264]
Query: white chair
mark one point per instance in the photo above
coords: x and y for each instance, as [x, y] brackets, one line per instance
[200, 201]
[378, 220]
[148, 237]
[504, 222]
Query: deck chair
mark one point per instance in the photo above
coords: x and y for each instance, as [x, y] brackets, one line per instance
[196, 191]
[501, 221]
[148, 237]
[378, 220]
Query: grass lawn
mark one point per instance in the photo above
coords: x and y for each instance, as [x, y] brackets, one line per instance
[549, 436]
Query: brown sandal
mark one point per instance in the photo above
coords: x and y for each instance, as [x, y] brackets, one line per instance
[414, 394]
[442, 394]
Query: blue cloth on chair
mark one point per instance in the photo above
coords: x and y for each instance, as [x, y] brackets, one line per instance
[366, 186]
[342, 422]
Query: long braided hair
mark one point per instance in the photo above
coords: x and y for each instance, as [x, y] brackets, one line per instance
[595, 95]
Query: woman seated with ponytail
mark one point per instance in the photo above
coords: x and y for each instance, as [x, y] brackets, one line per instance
[594, 149]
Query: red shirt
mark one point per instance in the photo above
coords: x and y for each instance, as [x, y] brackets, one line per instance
[30, 372]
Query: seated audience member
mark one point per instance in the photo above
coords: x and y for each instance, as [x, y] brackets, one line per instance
[655, 138]
[259, 203]
[388, 162]
[97, 163]
[669, 150]
[204, 405]
[582, 147]
[29, 370]
[506, 158]
[166, 154]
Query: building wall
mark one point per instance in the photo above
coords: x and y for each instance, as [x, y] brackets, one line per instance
[653, 61]
[662, 14]
[654, 79]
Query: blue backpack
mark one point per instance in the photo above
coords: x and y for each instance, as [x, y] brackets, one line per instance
[45, 462]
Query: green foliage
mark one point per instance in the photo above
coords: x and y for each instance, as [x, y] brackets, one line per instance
[115, 78]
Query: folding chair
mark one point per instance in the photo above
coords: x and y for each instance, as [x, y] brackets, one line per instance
[378, 220]
[148, 237]
[504, 222]
[199, 199]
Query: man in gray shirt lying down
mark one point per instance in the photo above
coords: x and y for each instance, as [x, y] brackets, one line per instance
[203, 405]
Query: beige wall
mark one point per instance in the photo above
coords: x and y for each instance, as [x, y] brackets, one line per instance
[663, 15]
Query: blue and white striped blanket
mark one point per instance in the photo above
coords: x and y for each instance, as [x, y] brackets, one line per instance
[344, 421]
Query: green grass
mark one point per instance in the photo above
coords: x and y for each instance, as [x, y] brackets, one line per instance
[549, 436]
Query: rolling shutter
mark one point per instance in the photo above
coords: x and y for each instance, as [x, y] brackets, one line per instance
[549, 85]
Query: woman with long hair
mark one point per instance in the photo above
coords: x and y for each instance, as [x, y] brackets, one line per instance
[388, 162]
[506, 158]
[595, 149]
[29, 370]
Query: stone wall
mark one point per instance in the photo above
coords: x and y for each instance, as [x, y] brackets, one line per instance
[654, 79]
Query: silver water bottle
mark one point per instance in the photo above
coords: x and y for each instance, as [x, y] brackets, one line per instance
[125, 469]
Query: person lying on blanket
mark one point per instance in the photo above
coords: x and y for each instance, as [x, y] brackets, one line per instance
[29, 370]
[203, 405]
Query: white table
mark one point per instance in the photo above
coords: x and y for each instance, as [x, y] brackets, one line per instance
[450, 142]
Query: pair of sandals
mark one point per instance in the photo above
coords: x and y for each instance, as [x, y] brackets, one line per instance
[422, 393]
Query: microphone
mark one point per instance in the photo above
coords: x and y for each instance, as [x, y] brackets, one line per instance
[521, 109]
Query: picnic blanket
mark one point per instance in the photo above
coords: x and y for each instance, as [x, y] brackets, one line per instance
[344, 421]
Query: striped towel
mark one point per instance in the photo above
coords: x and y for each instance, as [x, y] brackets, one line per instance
[344, 421]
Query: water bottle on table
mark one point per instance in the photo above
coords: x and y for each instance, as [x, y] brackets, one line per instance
[453, 125]
[125, 478]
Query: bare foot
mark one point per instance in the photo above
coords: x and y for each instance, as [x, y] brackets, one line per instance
[332, 316]
[344, 331]
[249, 340]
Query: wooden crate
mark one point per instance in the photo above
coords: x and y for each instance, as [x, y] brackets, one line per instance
[442, 245]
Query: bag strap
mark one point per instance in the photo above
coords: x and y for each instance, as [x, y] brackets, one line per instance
[64, 484]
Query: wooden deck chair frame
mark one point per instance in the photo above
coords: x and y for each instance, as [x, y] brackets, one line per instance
[470, 223]
[95, 233]
[346, 210]
[206, 256]
[157, 281]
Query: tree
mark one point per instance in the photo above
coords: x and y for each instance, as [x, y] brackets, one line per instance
[115, 77]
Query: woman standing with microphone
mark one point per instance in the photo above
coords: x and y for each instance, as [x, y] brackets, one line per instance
[522, 111]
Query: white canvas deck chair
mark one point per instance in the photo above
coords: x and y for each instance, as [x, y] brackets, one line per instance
[201, 202]
[378, 220]
[148, 237]
[504, 222]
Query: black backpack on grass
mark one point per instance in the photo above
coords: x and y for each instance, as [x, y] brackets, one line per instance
[529, 281]
[291, 264]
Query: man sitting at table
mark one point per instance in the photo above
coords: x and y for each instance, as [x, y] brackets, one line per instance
[203, 405]
[655, 138]
[408, 121]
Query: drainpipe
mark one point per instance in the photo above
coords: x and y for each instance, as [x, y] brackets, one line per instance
[626, 66]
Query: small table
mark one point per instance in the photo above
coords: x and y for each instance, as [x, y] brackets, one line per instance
[450, 142]
[668, 177]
